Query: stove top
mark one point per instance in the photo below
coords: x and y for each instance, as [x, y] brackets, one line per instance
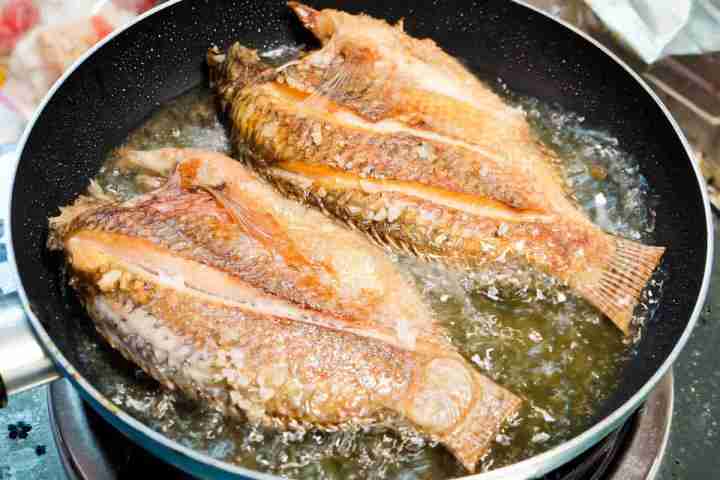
[90, 448]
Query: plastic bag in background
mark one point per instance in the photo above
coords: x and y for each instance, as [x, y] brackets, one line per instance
[40, 39]
[654, 29]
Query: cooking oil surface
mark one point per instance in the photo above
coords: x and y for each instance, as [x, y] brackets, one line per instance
[524, 330]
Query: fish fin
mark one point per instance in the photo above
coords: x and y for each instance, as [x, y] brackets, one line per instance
[66, 221]
[265, 229]
[344, 80]
[305, 14]
[316, 21]
[334, 81]
[621, 281]
[252, 223]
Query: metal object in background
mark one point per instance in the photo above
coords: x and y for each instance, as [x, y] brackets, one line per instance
[78, 445]
[23, 362]
[90, 448]
[643, 455]
[690, 86]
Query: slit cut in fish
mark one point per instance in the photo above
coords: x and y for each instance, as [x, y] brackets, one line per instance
[218, 286]
[398, 140]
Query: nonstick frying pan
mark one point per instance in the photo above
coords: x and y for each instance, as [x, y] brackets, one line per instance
[118, 84]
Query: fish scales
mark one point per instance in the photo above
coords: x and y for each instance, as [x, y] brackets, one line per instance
[275, 127]
[376, 121]
[447, 234]
[300, 363]
[177, 280]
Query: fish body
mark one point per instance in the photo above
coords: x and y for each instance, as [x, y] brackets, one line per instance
[218, 286]
[397, 139]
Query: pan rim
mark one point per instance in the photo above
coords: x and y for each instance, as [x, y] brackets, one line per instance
[528, 468]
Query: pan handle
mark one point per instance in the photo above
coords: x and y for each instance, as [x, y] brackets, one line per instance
[23, 362]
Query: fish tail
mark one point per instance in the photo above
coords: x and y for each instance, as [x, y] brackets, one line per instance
[459, 406]
[491, 408]
[616, 287]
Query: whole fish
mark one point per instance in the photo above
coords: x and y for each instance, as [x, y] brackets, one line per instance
[397, 139]
[218, 286]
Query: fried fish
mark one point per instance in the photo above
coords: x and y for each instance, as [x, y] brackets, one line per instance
[397, 139]
[217, 285]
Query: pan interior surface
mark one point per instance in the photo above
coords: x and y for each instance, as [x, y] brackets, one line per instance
[116, 88]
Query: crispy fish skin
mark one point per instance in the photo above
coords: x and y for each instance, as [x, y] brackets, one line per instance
[247, 229]
[365, 61]
[165, 300]
[436, 164]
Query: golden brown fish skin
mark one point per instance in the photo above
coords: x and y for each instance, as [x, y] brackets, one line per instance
[273, 126]
[567, 247]
[424, 229]
[377, 99]
[218, 335]
[428, 125]
[281, 252]
[593, 265]
[386, 53]
[202, 233]
[365, 61]
[287, 374]
[263, 115]
[306, 361]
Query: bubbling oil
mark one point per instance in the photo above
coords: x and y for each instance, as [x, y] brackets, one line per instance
[522, 329]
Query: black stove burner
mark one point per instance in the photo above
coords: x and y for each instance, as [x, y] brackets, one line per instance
[122, 456]
[91, 448]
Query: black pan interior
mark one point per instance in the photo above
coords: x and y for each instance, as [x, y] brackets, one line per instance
[162, 56]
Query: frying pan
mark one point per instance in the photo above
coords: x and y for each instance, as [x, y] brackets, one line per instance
[161, 55]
